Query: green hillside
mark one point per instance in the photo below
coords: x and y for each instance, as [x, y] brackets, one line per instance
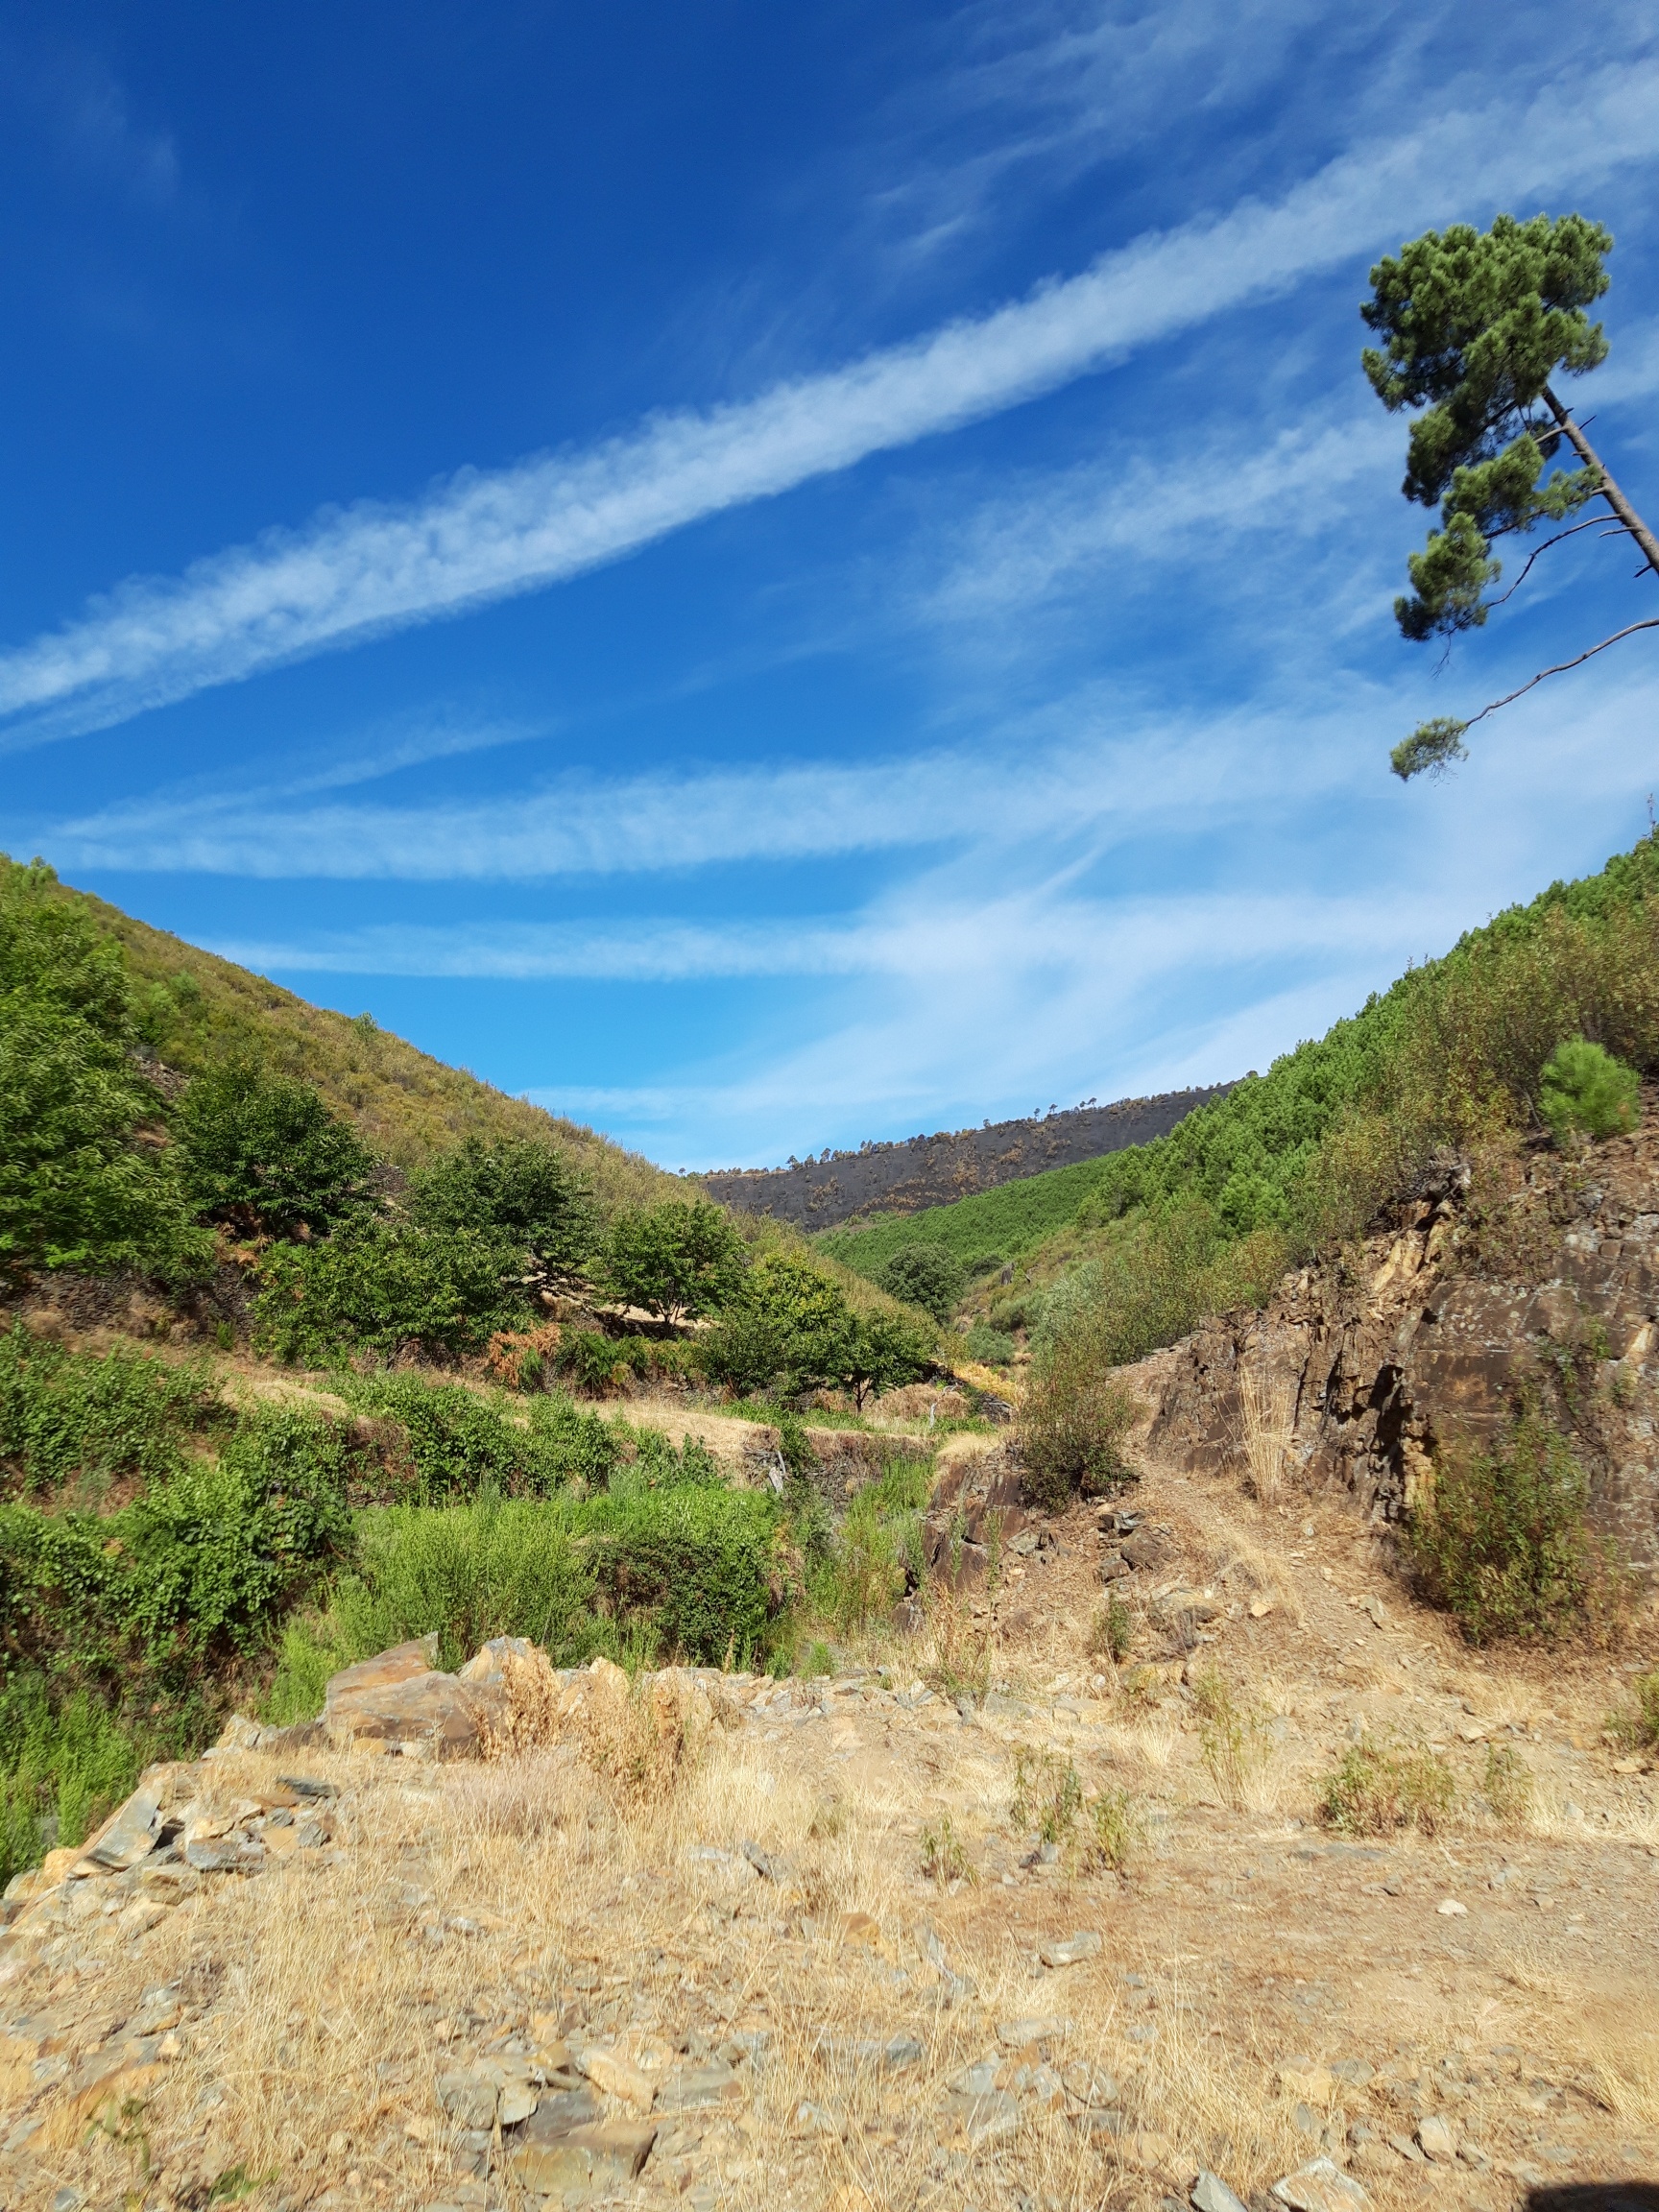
[992, 1225]
[1450, 1054]
[199, 1009]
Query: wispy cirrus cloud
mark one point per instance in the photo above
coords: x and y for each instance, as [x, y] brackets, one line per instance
[483, 536]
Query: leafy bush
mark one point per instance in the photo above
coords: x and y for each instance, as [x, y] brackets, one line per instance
[790, 1326]
[66, 1413]
[262, 1153]
[195, 1568]
[449, 1441]
[1379, 1789]
[677, 1260]
[1072, 1425]
[385, 1287]
[512, 1190]
[597, 1363]
[492, 1566]
[869, 1562]
[1584, 1089]
[700, 1565]
[1502, 1541]
[924, 1274]
[990, 1346]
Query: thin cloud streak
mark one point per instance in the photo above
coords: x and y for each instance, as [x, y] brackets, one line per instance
[482, 537]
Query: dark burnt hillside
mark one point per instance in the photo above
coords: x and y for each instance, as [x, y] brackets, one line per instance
[917, 1171]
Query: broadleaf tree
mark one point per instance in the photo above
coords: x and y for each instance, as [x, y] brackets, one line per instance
[1474, 325]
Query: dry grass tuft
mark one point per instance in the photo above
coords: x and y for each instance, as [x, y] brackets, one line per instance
[643, 1738]
[531, 1709]
[1266, 1420]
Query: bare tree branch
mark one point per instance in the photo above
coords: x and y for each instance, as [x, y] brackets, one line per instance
[1560, 668]
[1593, 522]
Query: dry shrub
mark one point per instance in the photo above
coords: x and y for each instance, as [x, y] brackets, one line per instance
[532, 1706]
[1379, 1789]
[1232, 1737]
[1507, 1784]
[1267, 1411]
[1073, 1424]
[643, 1738]
[959, 1660]
[518, 1359]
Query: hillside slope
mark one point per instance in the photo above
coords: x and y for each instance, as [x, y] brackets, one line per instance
[919, 1172]
[199, 1008]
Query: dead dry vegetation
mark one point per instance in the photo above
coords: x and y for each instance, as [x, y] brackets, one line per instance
[994, 1920]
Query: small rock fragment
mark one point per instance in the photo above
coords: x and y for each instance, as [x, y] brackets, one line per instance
[1211, 2193]
[1321, 2187]
[1448, 1908]
[1086, 1945]
[1437, 2139]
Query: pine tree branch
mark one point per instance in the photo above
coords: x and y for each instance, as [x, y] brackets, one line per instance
[1595, 522]
[1560, 668]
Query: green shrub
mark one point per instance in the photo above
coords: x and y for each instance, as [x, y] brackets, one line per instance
[676, 1259]
[62, 1769]
[594, 1363]
[1584, 1089]
[1048, 1797]
[1501, 1540]
[1112, 1831]
[701, 1564]
[449, 1441]
[1379, 1789]
[385, 1287]
[790, 1328]
[924, 1274]
[867, 1563]
[262, 1153]
[990, 1346]
[1112, 1631]
[1073, 1424]
[463, 1574]
[943, 1854]
[65, 1414]
[1636, 1726]
[1507, 1783]
[514, 1191]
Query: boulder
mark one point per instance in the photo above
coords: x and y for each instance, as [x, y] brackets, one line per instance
[399, 1701]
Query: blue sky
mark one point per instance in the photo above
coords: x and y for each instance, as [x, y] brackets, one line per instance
[769, 576]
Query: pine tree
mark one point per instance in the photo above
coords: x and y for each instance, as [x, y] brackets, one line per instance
[1474, 325]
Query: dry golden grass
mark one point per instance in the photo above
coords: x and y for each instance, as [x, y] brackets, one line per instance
[1266, 1418]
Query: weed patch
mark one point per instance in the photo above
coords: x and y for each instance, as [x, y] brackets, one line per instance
[1502, 1544]
[1379, 1789]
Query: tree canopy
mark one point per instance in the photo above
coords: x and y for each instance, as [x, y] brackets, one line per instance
[1472, 326]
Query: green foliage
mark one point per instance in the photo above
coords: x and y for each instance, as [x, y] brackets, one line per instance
[1501, 1540]
[1636, 1725]
[1474, 326]
[701, 1565]
[512, 1190]
[448, 1441]
[1432, 747]
[790, 1326]
[1232, 1737]
[943, 1854]
[1112, 1631]
[881, 1351]
[990, 1346]
[1015, 1218]
[866, 1564]
[677, 1260]
[262, 1153]
[1048, 1797]
[1379, 1788]
[1507, 1783]
[1584, 1089]
[1113, 1830]
[464, 1573]
[384, 1287]
[595, 1364]
[78, 1188]
[925, 1274]
[1073, 1424]
[63, 1767]
[68, 1415]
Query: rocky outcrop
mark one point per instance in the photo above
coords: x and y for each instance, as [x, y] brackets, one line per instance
[1524, 1274]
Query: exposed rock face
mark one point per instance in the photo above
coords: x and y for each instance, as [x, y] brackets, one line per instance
[399, 1699]
[1539, 1274]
